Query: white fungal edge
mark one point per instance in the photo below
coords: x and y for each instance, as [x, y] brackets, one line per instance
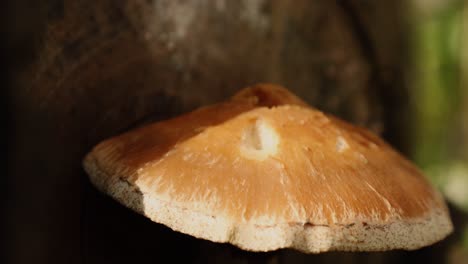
[398, 234]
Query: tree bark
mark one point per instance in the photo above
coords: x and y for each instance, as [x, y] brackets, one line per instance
[86, 70]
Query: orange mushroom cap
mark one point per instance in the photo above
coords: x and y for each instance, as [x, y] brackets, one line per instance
[263, 171]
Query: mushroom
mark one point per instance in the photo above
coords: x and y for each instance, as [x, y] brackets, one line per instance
[263, 171]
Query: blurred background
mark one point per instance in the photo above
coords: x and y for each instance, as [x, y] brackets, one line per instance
[77, 72]
[438, 85]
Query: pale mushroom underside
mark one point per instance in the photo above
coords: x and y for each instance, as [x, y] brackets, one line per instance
[306, 237]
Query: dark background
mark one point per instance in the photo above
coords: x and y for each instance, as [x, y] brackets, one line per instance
[80, 71]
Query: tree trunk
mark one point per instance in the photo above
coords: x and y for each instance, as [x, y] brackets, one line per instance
[85, 70]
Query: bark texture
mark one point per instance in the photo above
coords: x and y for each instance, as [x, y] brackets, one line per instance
[82, 71]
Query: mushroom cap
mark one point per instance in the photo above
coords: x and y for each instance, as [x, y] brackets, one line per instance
[263, 171]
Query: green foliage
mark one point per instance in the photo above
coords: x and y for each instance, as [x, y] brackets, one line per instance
[437, 99]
